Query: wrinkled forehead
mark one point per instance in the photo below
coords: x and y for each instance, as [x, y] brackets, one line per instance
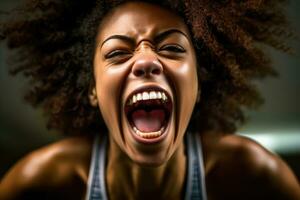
[139, 18]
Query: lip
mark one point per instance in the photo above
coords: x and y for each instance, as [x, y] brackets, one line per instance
[166, 129]
[153, 140]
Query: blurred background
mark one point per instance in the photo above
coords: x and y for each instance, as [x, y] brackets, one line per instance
[276, 125]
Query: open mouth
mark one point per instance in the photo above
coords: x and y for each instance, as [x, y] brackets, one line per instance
[148, 113]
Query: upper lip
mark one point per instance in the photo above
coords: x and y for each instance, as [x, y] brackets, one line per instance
[148, 88]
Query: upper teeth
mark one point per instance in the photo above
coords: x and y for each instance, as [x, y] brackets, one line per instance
[147, 95]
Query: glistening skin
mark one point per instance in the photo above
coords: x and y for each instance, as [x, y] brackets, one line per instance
[148, 54]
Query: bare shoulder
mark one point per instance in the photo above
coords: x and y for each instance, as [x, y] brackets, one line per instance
[240, 168]
[50, 172]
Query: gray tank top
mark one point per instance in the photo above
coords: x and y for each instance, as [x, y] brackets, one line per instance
[195, 180]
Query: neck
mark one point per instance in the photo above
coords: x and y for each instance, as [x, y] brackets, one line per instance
[128, 180]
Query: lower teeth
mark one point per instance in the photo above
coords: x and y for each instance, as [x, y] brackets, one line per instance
[148, 134]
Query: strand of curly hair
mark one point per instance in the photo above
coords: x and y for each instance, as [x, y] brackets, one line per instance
[52, 43]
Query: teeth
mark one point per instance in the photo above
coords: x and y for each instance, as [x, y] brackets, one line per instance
[139, 97]
[134, 99]
[164, 97]
[148, 95]
[159, 95]
[145, 95]
[148, 135]
[153, 95]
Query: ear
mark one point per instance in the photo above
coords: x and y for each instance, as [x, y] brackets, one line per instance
[93, 96]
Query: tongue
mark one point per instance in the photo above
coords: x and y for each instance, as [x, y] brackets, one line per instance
[148, 121]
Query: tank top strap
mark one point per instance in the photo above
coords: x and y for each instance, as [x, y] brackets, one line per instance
[195, 182]
[96, 188]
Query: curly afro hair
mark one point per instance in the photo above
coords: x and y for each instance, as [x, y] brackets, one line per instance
[53, 45]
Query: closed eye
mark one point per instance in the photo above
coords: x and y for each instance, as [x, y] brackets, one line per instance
[172, 48]
[116, 53]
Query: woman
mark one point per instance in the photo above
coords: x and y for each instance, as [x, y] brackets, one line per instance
[150, 92]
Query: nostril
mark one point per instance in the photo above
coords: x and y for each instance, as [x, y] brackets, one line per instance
[146, 71]
[156, 71]
[139, 72]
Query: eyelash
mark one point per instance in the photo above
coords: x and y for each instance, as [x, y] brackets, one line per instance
[173, 47]
[115, 53]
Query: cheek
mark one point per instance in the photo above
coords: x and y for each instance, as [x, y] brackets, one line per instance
[187, 76]
[185, 82]
[108, 86]
[187, 88]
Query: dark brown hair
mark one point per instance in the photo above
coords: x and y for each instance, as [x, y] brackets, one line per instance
[53, 45]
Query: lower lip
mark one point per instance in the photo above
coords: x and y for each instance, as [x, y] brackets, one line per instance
[150, 140]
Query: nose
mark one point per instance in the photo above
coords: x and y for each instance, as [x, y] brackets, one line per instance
[147, 64]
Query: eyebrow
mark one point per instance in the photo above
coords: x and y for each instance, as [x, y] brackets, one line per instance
[160, 37]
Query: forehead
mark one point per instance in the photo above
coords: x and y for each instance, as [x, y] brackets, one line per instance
[138, 19]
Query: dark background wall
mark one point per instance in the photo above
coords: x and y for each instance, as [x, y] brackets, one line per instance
[276, 125]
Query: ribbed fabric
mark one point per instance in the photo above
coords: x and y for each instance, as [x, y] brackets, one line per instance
[195, 180]
[96, 188]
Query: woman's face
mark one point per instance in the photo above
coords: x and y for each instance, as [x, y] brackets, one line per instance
[146, 80]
